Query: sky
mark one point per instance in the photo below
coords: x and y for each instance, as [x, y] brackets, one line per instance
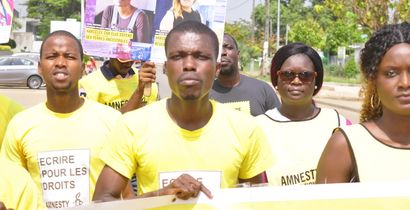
[240, 9]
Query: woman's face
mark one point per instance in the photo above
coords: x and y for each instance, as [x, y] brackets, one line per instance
[187, 4]
[393, 80]
[296, 80]
[122, 3]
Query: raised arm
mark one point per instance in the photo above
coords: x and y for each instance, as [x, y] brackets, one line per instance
[146, 75]
[336, 165]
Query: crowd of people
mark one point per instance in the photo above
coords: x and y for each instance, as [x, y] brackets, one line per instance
[218, 128]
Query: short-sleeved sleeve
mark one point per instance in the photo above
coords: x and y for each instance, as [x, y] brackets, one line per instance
[11, 147]
[118, 152]
[258, 158]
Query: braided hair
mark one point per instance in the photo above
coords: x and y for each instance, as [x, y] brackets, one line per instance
[370, 58]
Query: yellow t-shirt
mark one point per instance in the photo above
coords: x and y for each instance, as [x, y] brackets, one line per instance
[61, 151]
[8, 109]
[17, 190]
[149, 143]
[114, 92]
[297, 146]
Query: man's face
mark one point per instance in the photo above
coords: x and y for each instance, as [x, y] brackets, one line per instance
[229, 57]
[61, 64]
[191, 65]
[121, 67]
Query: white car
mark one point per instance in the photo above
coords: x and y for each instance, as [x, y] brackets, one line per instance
[20, 71]
[35, 56]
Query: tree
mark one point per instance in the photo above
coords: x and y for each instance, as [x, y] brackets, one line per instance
[240, 31]
[309, 32]
[371, 14]
[48, 10]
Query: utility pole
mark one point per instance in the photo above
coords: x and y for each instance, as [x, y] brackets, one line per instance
[278, 27]
[266, 40]
[253, 22]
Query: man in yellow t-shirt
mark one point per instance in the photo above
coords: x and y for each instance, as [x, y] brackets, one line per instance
[17, 190]
[198, 145]
[8, 109]
[119, 85]
[58, 142]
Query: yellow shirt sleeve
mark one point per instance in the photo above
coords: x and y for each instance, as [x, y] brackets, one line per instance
[258, 158]
[11, 149]
[119, 153]
[18, 190]
[8, 109]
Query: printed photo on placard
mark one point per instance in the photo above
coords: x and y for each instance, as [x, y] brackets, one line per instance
[6, 17]
[136, 29]
[169, 13]
[118, 28]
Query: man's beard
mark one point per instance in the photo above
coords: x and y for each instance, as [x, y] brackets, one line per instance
[227, 71]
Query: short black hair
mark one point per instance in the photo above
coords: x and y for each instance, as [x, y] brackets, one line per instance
[233, 39]
[194, 27]
[371, 55]
[66, 34]
[292, 49]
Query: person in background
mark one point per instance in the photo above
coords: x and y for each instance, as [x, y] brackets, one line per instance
[298, 129]
[120, 85]
[378, 148]
[180, 11]
[8, 109]
[17, 190]
[123, 16]
[237, 90]
[194, 138]
[58, 142]
[90, 66]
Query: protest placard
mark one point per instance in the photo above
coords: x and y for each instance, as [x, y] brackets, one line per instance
[6, 19]
[136, 29]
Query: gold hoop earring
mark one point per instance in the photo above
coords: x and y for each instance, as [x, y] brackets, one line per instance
[372, 102]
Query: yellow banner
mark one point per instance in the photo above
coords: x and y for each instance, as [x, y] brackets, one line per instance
[355, 196]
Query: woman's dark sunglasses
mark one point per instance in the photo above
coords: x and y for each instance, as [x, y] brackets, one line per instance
[289, 76]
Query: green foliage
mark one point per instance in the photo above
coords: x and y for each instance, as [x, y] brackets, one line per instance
[371, 14]
[348, 72]
[334, 70]
[309, 32]
[240, 31]
[48, 10]
[351, 68]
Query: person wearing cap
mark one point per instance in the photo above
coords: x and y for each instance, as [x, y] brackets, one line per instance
[120, 85]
